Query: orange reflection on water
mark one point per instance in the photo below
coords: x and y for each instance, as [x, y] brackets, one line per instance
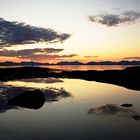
[87, 67]
[82, 90]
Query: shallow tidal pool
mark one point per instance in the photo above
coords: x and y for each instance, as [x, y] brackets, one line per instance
[74, 110]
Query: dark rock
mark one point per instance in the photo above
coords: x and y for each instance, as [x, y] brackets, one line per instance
[135, 117]
[126, 105]
[29, 99]
[128, 78]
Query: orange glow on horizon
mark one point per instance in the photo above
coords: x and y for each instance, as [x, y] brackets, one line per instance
[78, 58]
[12, 59]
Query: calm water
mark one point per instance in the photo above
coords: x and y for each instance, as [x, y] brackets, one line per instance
[88, 67]
[82, 67]
[76, 110]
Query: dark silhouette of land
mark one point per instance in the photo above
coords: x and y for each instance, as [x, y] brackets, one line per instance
[100, 63]
[32, 63]
[129, 77]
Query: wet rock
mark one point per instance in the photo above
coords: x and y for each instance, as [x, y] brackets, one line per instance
[136, 117]
[29, 99]
[126, 105]
[108, 109]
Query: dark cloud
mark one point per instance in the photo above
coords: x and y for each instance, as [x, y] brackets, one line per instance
[28, 52]
[88, 56]
[127, 17]
[54, 56]
[14, 33]
[133, 57]
[65, 56]
[35, 54]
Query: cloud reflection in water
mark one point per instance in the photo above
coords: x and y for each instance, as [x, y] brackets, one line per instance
[10, 91]
[114, 110]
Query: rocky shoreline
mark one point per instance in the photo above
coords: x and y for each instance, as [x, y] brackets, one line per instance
[129, 77]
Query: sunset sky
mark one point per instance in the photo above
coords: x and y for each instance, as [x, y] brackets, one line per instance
[95, 30]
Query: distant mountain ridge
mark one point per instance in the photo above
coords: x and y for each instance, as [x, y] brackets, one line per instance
[24, 63]
[70, 63]
[32, 63]
[114, 63]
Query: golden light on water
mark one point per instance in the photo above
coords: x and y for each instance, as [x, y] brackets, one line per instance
[80, 89]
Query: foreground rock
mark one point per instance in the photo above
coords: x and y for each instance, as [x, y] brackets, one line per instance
[114, 110]
[29, 99]
[126, 105]
[136, 117]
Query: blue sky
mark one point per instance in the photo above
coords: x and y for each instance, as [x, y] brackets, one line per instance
[71, 16]
[60, 14]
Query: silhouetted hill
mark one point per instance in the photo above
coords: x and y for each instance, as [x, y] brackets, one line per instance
[70, 63]
[31, 63]
[101, 63]
[7, 63]
[114, 63]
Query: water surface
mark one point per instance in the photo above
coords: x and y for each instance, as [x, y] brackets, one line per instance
[88, 67]
[81, 67]
[80, 110]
